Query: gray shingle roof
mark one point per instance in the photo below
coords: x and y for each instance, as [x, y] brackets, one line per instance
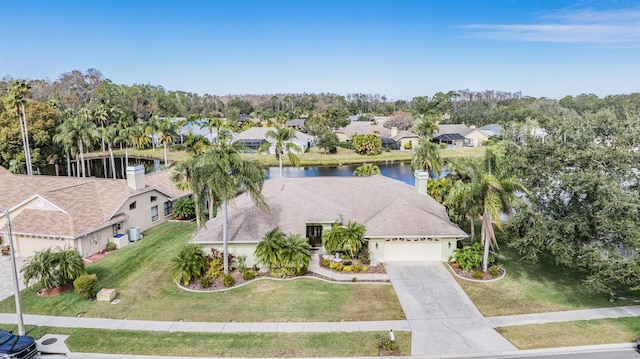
[386, 207]
[461, 129]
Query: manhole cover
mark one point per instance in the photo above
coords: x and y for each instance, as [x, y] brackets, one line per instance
[49, 341]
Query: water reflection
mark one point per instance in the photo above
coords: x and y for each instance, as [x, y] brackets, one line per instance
[397, 170]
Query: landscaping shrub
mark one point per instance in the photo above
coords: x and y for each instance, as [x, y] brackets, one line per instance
[354, 279]
[53, 268]
[369, 144]
[347, 263]
[339, 267]
[228, 281]
[365, 269]
[356, 268]
[346, 269]
[242, 263]
[248, 275]
[477, 274]
[5, 250]
[189, 264]
[365, 256]
[326, 263]
[85, 285]
[333, 265]
[282, 272]
[184, 208]
[385, 343]
[216, 268]
[470, 257]
[205, 282]
[111, 246]
[494, 271]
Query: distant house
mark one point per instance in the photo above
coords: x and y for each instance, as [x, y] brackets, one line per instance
[390, 137]
[460, 135]
[297, 124]
[402, 223]
[254, 137]
[83, 213]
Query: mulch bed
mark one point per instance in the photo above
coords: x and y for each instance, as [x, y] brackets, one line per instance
[469, 274]
[385, 352]
[377, 269]
[50, 292]
[97, 256]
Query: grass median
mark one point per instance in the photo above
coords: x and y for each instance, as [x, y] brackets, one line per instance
[585, 332]
[140, 275]
[252, 345]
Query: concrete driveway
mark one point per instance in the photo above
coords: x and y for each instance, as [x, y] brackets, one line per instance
[442, 318]
[6, 277]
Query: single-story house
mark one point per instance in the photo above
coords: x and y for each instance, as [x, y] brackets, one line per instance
[460, 135]
[296, 124]
[402, 223]
[83, 213]
[254, 137]
[390, 137]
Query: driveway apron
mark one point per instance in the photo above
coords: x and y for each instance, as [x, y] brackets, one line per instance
[442, 318]
[6, 277]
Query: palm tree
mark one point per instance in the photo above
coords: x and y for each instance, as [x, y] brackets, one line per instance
[109, 134]
[427, 157]
[367, 170]
[16, 99]
[230, 173]
[494, 193]
[54, 268]
[101, 114]
[296, 253]
[426, 127]
[268, 251]
[332, 238]
[76, 129]
[189, 264]
[69, 265]
[282, 140]
[166, 133]
[213, 121]
[182, 177]
[353, 238]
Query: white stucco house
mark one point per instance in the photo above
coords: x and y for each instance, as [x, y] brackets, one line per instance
[402, 223]
[254, 137]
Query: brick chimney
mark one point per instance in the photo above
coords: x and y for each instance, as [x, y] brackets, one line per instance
[135, 177]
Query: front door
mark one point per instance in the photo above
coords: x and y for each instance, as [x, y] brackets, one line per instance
[314, 234]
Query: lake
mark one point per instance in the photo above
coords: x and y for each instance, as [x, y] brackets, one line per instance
[398, 170]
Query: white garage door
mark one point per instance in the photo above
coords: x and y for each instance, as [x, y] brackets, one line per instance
[402, 251]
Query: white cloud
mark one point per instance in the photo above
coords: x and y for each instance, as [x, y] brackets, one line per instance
[611, 28]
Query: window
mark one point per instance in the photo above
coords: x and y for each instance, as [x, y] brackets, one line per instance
[132, 206]
[168, 208]
[154, 213]
[153, 199]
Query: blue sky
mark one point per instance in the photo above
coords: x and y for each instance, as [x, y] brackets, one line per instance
[397, 48]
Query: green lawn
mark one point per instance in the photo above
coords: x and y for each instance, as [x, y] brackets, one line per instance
[222, 345]
[535, 288]
[315, 156]
[140, 275]
[587, 332]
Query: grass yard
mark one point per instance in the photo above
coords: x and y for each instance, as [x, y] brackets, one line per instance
[536, 288]
[315, 156]
[587, 332]
[140, 275]
[222, 345]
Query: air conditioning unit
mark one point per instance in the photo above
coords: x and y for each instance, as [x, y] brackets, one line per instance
[134, 234]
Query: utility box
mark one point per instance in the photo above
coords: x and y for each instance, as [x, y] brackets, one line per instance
[106, 295]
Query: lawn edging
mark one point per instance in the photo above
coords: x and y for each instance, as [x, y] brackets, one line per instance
[275, 279]
[504, 273]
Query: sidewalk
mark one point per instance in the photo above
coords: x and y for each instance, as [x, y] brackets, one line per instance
[207, 327]
[566, 316]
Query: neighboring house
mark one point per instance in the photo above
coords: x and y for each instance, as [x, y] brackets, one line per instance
[459, 135]
[83, 213]
[401, 224]
[390, 137]
[256, 136]
[296, 124]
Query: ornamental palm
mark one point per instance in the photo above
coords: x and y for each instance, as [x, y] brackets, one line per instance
[493, 192]
[69, 265]
[189, 264]
[427, 157]
[42, 268]
[16, 99]
[353, 238]
[367, 170]
[282, 140]
[166, 131]
[296, 253]
[223, 172]
[268, 251]
[76, 129]
[332, 238]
